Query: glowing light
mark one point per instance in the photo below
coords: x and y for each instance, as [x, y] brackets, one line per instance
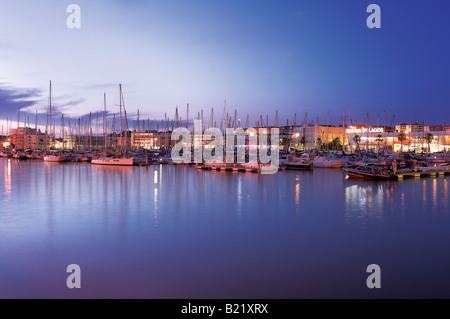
[354, 130]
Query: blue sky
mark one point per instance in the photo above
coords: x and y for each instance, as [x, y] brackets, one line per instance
[311, 56]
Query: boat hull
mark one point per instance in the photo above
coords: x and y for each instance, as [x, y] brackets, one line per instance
[113, 161]
[329, 163]
[54, 158]
[307, 166]
[357, 174]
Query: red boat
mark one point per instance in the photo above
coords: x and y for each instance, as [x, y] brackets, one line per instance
[369, 172]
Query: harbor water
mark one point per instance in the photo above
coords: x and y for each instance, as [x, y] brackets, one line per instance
[167, 231]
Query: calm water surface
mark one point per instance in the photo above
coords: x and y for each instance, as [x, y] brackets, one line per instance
[174, 232]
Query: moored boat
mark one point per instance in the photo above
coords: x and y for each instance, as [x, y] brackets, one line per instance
[369, 172]
[121, 161]
[55, 158]
[329, 161]
[303, 162]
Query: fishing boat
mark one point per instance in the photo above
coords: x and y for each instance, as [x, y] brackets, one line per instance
[369, 172]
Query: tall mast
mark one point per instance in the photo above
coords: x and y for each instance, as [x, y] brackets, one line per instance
[50, 114]
[90, 132]
[126, 131]
[343, 129]
[224, 114]
[120, 115]
[187, 117]
[104, 122]
[62, 129]
[138, 121]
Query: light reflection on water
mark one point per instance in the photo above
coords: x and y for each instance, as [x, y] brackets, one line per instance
[176, 232]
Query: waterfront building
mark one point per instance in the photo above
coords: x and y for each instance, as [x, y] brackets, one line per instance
[325, 137]
[23, 138]
[145, 140]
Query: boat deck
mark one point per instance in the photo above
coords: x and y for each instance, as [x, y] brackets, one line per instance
[421, 174]
[228, 168]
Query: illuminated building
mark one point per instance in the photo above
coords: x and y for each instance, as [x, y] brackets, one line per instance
[144, 140]
[23, 138]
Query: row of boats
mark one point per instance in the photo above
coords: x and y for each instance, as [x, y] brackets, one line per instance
[62, 156]
[384, 165]
[364, 164]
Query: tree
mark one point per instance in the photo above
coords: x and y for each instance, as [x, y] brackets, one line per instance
[303, 142]
[379, 140]
[429, 139]
[319, 142]
[357, 140]
[336, 144]
[401, 137]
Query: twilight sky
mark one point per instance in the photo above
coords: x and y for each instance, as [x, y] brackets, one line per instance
[260, 56]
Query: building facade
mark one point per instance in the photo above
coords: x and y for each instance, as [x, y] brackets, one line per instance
[24, 138]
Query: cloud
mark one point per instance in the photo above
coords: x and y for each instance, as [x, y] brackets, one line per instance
[14, 99]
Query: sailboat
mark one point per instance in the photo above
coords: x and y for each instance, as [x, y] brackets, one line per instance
[52, 156]
[329, 160]
[114, 160]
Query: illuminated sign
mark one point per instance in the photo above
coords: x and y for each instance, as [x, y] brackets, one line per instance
[362, 130]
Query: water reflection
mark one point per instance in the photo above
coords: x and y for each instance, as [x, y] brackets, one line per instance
[435, 193]
[366, 201]
[7, 180]
[445, 192]
[297, 190]
[217, 229]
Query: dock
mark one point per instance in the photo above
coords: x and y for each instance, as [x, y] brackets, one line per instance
[234, 168]
[421, 174]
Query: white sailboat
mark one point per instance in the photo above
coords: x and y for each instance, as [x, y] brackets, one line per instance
[114, 160]
[124, 161]
[55, 158]
[329, 161]
[52, 156]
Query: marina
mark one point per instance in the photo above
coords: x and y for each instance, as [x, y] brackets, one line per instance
[235, 151]
[155, 227]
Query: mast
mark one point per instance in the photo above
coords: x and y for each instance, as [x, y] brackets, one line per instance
[328, 129]
[62, 129]
[224, 114]
[79, 134]
[343, 129]
[50, 114]
[384, 128]
[104, 122]
[120, 114]
[90, 132]
[126, 131]
[96, 132]
[138, 121]
[187, 117]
